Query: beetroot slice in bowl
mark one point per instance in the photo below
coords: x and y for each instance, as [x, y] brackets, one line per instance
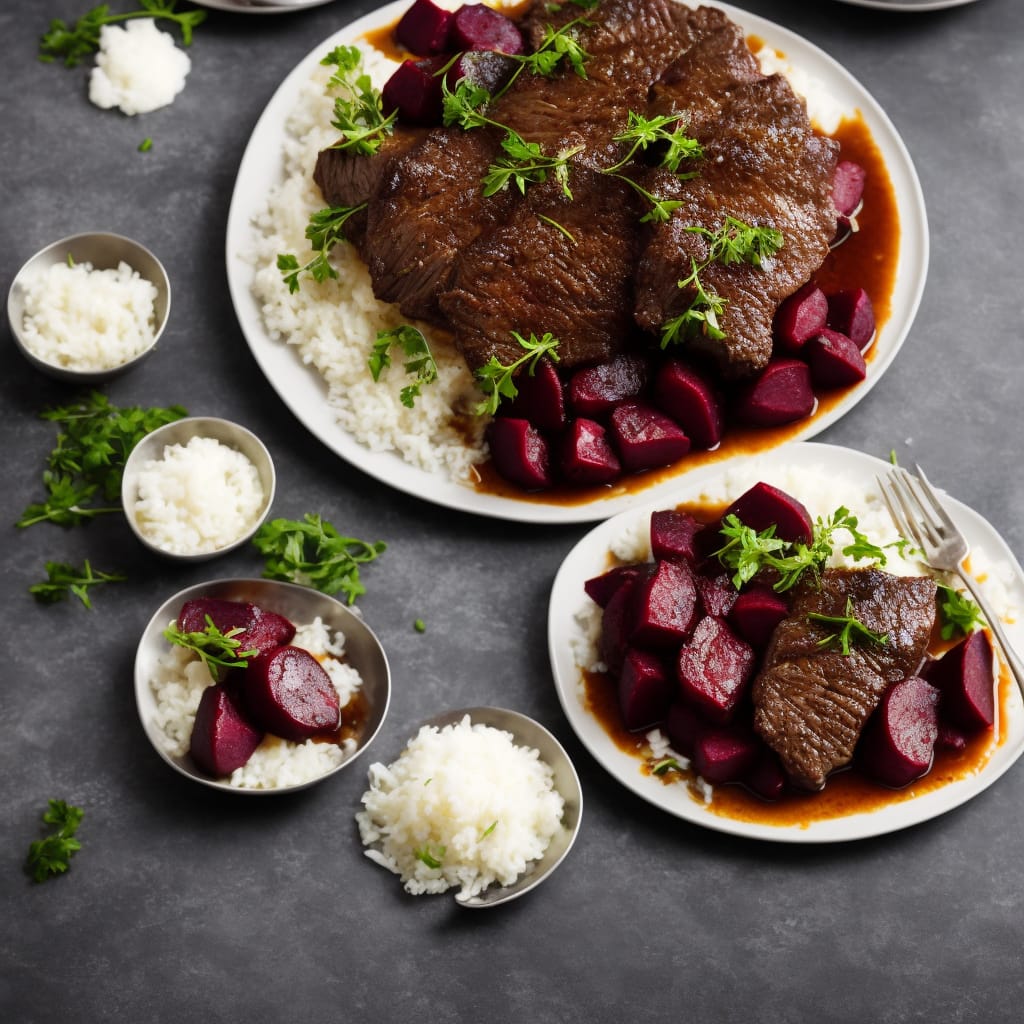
[898, 743]
[289, 694]
[966, 678]
[223, 736]
[260, 630]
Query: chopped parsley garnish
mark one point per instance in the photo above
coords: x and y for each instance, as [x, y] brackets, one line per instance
[326, 228]
[419, 361]
[496, 379]
[52, 855]
[63, 579]
[959, 613]
[359, 109]
[850, 629]
[217, 650]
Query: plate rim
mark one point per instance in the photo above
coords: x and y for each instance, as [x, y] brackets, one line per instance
[625, 768]
[259, 170]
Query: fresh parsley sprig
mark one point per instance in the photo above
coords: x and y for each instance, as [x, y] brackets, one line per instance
[311, 552]
[666, 129]
[326, 228]
[359, 110]
[52, 855]
[63, 579]
[747, 552]
[85, 467]
[850, 629]
[73, 43]
[558, 47]
[419, 360]
[734, 242]
[959, 613]
[218, 651]
[496, 378]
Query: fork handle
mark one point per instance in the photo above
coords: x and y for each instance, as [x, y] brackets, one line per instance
[1016, 665]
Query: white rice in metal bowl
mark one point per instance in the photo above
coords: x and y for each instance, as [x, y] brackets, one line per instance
[462, 806]
[179, 683]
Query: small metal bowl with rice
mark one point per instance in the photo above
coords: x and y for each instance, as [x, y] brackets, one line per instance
[89, 307]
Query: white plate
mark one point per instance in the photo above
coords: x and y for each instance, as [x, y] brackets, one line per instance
[908, 5]
[303, 391]
[247, 7]
[589, 558]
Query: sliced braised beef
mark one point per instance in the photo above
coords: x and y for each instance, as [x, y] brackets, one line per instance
[764, 165]
[812, 701]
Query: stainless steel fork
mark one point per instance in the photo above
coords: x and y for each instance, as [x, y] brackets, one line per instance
[920, 516]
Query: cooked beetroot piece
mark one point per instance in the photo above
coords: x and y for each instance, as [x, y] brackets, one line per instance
[617, 623]
[541, 398]
[781, 394]
[600, 588]
[585, 456]
[484, 68]
[725, 755]
[684, 726]
[767, 777]
[646, 438]
[520, 452]
[476, 27]
[717, 594]
[898, 742]
[835, 361]
[966, 678]
[851, 313]
[424, 28]
[665, 606]
[261, 630]
[764, 505]
[223, 738]
[689, 398]
[755, 614]
[714, 669]
[800, 317]
[595, 390]
[414, 90]
[847, 190]
[645, 690]
[288, 692]
[673, 533]
[950, 737]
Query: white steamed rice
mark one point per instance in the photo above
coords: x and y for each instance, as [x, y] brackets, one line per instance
[198, 497]
[181, 678]
[79, 318]
[466, 798]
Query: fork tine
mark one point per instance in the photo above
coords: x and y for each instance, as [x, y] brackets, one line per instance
[933, 499]
[919, 508]
[897, 509]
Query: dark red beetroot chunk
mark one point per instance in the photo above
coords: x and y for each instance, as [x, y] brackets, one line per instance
[288, 692]
[950, 737]
[688, 397]
[617, 622]
[755, 614]
[223, 738]
[767, 778]
[424, 28]
[683, 726]
[714, 669]
[966, 678]
[847, 190]
[645, 438]
[520, 453]
[717, 594]
[851, 313]
[601, 588]
[665, 606]
[800, 317]
[414, 90]
[596, 390]
[781, 394]
[835, 361]
[476, 27]
[645, 690]
[725, 755]
[898, 742]
[585, 456]
[764, 505]
[673, 533]
[261, 630]
[540, 398]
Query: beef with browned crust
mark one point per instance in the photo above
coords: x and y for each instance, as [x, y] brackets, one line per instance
[812, 701]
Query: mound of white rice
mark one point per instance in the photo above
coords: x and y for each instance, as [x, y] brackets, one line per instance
[198, 497]
[181, 678]
[462, 805]
[79, 318]
[138, 68]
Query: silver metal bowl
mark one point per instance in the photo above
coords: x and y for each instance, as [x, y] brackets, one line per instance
[104, 251]
[181, 432]
[363, 651]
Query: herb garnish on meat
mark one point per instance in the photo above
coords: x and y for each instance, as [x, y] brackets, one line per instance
[496, 379]
[850, 629]
[359, 111]
[419, 359]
